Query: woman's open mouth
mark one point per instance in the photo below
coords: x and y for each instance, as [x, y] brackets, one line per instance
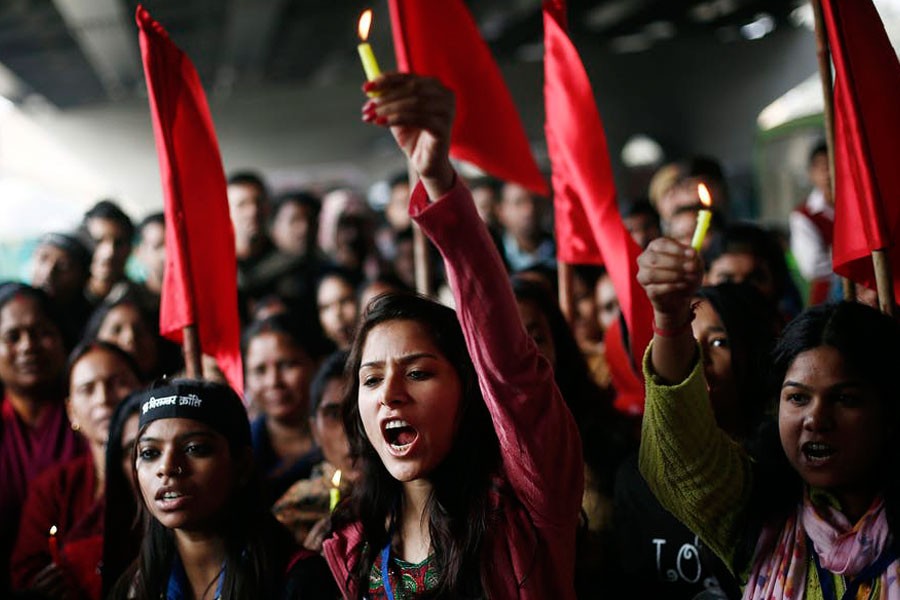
[170, 499]
[817, 452]
[400, 435]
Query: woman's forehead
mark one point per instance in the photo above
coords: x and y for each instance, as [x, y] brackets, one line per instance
[395, 338]
[178, 427]
[20, 309]
[123, 312]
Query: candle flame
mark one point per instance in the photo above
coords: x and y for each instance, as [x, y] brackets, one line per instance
[53, 530]
[705, 197]
[365, 22]
[336, 480]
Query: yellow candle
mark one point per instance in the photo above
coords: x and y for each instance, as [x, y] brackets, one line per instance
[703, 218]
[335, 492]
[370, 65]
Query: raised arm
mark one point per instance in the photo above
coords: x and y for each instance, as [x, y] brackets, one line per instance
[695, 470]
[539, 441]
[671, 273]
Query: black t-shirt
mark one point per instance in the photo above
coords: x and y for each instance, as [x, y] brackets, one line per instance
[659, 556]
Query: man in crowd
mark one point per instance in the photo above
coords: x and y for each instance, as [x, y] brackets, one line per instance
[248, 203]
[812, 228]
[110, 231]
[525, 244]
[61, 266]
[151, 253]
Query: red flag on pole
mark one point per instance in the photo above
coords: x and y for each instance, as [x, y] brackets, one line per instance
[588, 224]
[866, 140]
[439, 38]
[200, 282]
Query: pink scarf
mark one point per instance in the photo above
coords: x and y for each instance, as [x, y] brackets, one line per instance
[781, 558]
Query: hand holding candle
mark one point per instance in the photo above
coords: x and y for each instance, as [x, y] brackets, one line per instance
[704, 216]
[335, 492]
[370, 65]
[419, 112]
[53, 544]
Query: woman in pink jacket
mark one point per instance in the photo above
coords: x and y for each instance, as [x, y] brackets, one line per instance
[471, 463]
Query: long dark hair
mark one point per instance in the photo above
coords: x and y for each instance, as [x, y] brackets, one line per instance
[303, 333]
[751, 322]
[869, 344]
[257, 548]
[86, 347]
[168, 359]
[460, 509]
[604, 432]
[121, 523]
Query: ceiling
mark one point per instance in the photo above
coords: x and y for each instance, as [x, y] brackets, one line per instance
[77, 53]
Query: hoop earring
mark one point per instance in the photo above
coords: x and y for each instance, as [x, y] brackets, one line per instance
[75, 427]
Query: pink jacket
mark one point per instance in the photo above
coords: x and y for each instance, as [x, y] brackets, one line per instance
[532, 554]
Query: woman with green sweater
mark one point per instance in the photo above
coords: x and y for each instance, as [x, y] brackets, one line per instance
[810, 510]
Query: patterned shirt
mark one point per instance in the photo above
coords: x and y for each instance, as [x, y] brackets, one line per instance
[408, 580]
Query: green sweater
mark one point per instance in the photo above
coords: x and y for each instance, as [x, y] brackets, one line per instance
[697, 472]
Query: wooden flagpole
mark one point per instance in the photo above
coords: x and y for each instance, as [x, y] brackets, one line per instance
[880, 259]
[566, 301]
[420, 245]
[884, 282]
[423, 265]
[824, 55]
[193, 365]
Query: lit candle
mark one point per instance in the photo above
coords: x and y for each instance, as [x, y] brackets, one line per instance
[335, 492]
[54, 545]
[365, 50]
[703, 217]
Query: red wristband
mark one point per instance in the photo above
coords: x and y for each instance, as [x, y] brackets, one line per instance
[677, 331]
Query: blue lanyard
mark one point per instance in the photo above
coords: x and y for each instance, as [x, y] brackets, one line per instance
[870, 573]
[385, 575]
[218, 593]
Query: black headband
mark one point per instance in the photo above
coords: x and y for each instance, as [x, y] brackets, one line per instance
[210, 403]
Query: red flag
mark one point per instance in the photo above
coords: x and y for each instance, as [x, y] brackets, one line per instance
[439, 38]
[866, 140]
[588, 224]
[200, 283]
[627, 381]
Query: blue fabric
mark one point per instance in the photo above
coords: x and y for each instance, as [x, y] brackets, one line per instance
[278, 476]
[178, 583]
[869, 574]
[179, 587]
[385, 574]
[519, 260]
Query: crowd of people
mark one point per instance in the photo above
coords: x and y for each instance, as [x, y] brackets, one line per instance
[392, 446]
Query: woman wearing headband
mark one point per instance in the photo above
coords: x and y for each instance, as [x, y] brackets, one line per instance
[208, 534]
